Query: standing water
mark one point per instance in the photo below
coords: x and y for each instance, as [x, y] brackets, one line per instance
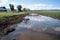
[36, 27]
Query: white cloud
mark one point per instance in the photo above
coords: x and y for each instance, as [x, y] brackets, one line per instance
[30, 6]
[13, 3]
[42, 5]
[4, 1]
[38, 6]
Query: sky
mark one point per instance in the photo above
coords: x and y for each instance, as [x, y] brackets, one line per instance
[32, 4]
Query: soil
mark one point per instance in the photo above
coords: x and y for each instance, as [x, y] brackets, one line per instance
[5, 24]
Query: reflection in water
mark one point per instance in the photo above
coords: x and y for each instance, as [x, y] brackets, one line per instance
[38, 27]
[25, 20]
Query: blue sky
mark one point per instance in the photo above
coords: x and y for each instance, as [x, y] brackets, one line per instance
[32, 4]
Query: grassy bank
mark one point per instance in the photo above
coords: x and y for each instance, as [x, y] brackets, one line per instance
[3, 15]
[54, 14]
[10, 18]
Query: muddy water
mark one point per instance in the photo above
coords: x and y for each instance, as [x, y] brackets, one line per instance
[38, 27]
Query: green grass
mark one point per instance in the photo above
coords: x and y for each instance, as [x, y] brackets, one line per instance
[54, 14]
[7, 14]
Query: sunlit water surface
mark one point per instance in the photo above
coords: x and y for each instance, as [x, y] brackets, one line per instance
[38, 27]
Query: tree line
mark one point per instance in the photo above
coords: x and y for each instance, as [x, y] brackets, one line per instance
[19, 8]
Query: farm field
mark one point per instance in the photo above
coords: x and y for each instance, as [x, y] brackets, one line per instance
[54, 14]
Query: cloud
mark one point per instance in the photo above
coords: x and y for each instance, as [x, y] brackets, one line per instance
[14, 3]
[38, 6]
[42, 5]
[4, 1]
[30, 6]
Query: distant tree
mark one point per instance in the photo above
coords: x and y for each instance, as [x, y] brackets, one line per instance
[25, 9]
[11, 7]
[28, 9]
[19, 8]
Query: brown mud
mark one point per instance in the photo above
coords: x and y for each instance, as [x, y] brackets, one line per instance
[5, 24]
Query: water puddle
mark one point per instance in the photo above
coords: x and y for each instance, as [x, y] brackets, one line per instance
[36, 27]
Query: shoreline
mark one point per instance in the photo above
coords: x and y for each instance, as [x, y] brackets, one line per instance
[5, 24]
